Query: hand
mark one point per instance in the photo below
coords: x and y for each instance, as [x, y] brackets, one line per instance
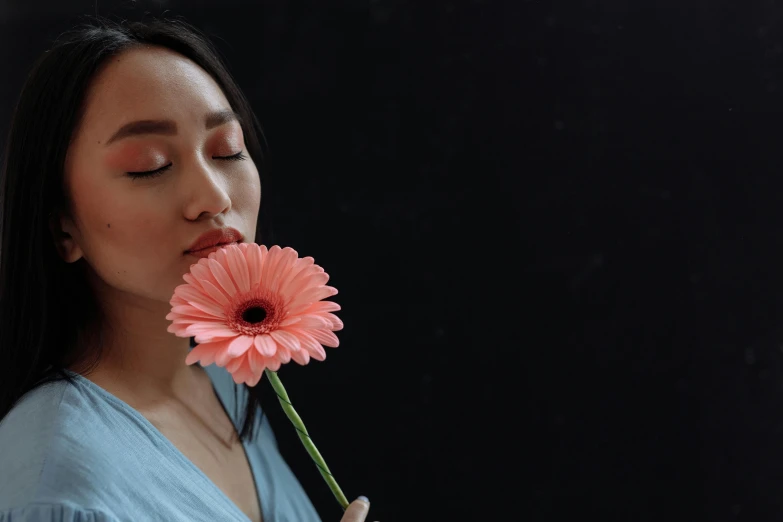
[356, 510]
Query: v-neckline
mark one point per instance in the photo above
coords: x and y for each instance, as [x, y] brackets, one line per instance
[205, 478]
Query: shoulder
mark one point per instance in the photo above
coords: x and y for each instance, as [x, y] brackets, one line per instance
[58, 452]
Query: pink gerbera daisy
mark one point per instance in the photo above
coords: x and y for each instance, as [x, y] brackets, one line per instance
[252, 309]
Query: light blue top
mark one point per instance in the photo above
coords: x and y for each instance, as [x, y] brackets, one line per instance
[80, 454]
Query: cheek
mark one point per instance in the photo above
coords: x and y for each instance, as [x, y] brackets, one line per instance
[255, 202]
[245, 200]
[117, 222]
[247, 193]
[128, 243]
[256, 192]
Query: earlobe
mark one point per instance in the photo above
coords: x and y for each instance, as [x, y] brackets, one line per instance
[66, 245]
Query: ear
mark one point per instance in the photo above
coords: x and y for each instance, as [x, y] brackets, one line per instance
[63, 232]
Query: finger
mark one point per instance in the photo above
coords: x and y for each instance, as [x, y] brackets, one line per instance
[356, 510]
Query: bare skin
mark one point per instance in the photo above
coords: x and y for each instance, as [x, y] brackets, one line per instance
[356, 511]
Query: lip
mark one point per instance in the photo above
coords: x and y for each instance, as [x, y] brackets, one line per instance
[215, 237]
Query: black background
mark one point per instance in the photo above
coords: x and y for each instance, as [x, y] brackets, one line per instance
[555, 231]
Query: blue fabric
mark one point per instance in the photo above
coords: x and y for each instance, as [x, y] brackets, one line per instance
[79, 454]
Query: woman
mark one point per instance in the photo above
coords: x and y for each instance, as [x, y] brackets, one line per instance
[128, 143]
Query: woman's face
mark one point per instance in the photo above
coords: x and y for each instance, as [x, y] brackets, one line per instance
[133, 233]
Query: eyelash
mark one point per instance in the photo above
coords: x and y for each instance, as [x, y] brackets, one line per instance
[154, 173]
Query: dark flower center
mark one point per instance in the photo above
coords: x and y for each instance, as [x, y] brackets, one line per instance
[254, 315]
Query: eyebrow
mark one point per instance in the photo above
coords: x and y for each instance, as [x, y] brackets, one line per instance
[169, 127]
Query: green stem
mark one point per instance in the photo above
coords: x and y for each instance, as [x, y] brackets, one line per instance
[285, 402]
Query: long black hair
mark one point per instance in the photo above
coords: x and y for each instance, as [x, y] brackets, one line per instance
[48, 314]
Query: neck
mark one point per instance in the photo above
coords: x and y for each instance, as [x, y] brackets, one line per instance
[139, 356]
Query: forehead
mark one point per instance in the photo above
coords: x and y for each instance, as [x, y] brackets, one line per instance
[149, 83]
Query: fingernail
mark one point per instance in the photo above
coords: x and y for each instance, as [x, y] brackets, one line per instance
[362, 497]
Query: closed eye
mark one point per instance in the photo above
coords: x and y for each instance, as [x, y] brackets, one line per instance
[239, 156]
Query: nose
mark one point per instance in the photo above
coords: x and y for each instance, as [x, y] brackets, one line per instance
[206, 191]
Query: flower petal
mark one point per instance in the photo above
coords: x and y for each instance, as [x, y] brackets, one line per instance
[222, 357]
[215, 293]
[312, 280]
[192, 281]
[177, 329]
[242, 374]
[257, 361]
[270, 264]
[322, 306]
[299, 270]
[235, 364]
[301, 356]
[189, 319]
[197, 296]
[202, 272]
[221, 351]
[190, 310]
[177, 300]
[273, 363]
[325, 337]
[246, 373]
[253, 381]
[212, 309]
[284, 356]
[313, 321]
[291, 320]
[310, 295]
[253, 256]
[222, 277]
[312, 346]
[286, 339]
[201, 352]
[288, 257]
[337, 323]
[265, 345]
[238, 266]
[217, 348]
[216, 335]
[200, 328]
[240, 345]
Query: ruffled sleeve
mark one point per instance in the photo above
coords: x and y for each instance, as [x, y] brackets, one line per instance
[55, 513]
